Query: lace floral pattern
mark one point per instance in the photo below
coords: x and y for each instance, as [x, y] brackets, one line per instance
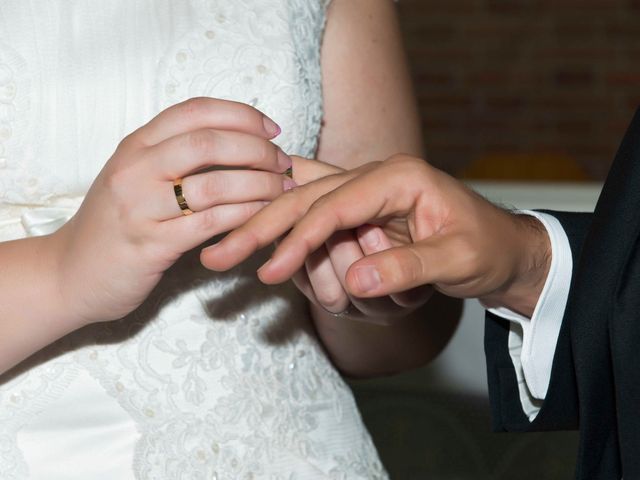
[222, 376]
[15, 91]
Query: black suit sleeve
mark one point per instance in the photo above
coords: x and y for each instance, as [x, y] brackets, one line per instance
[560, 408]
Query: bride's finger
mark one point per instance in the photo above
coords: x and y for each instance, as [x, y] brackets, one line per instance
[269, 224]
[184, 154]
[325, 283]
[372, 240]
[221, 187]
[306, 170]
[199, 113]
[189, 231]
[301, 280]
[344, 250]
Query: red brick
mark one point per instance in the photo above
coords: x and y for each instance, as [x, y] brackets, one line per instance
[519, 75]
[623, 78]
[574, 78]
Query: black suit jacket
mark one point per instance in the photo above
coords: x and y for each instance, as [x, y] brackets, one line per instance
[595, 378]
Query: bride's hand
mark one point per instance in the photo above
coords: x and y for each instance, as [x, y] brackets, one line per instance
[130, 228]
[322, 279]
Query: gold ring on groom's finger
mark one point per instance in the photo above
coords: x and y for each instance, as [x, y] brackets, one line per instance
[182, 202]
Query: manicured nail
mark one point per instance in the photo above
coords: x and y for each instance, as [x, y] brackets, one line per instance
[284, 161]
[288, 184]
[371, 238]
[271, 127]
[368, 278]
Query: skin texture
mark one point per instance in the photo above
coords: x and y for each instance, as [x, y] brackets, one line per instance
[369, 114]
[84, 276]
[438, 233]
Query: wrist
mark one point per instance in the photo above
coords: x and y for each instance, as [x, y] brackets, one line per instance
[55, 252]
[529, 264]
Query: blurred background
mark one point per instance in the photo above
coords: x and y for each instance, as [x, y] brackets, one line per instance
[527, 101]
[524, 89]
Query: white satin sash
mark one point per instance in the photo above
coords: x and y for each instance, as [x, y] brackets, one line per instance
[19, 221]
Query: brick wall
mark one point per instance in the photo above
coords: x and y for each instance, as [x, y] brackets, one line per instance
[524, 88]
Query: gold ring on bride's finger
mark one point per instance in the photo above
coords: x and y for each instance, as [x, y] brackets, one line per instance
[182, 202]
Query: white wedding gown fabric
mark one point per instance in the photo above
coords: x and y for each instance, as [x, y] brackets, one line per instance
[216, 376]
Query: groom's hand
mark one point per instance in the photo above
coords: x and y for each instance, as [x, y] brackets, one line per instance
[443, 234]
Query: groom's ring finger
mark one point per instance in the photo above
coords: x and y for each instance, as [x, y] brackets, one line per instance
[205, 190]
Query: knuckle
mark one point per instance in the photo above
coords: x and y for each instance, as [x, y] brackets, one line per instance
[247, 238]
[406, 162]
[197, 141]
[473, 259]
[403, 167]
[395, 158]
[154, 251]
[212, 188]
[410, 265]
[206, 219]
[130, 141]
[117, 179]
[309, 244]
[400, 160]
[317, 206]
[331, 296]
[250, 209]
[246, 112]
[468, 259]
[323, 208]
[200, 141]
[193, 108]
[288, 205]
[247, 109]
[269, 186]
[292, 202]
[266, 152]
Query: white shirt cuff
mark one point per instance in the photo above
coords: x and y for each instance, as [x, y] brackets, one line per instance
[532, 342]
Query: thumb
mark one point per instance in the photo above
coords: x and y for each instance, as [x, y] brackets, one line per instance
[395, 270]
[306, 170]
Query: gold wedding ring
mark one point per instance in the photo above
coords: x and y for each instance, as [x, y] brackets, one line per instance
[182, 202]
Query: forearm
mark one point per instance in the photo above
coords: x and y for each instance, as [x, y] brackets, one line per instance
[33, 313]
[370, 114]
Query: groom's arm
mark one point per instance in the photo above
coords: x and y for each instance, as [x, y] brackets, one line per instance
[557, 407]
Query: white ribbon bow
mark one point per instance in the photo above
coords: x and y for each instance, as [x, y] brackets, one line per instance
[37, 220]
[45, 220]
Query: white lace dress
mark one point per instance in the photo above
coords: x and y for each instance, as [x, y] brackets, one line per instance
[216, 376]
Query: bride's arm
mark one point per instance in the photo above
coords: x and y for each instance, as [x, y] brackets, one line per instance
[102, 264]
[370, 114]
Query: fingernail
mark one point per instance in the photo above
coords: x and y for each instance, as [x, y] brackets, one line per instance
[371, 238]
[288, 184]
[271, 127]
[368, 278]
[284, 161]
